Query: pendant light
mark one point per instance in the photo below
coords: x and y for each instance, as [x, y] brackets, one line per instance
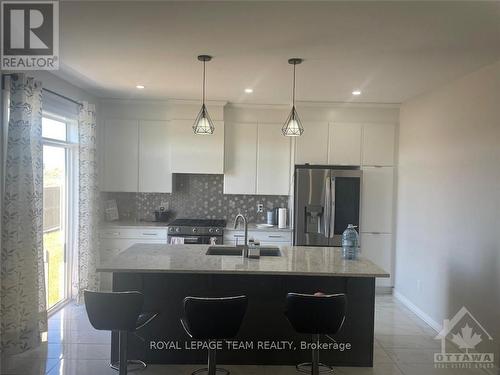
[293, 126]
[203, 124]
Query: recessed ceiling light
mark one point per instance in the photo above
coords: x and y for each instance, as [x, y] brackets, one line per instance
[356, 92]
[248, 91]
[140, 87]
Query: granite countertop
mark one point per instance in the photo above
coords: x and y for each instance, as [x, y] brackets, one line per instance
[295, 260]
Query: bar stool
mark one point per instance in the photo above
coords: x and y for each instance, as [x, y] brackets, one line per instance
[121, 312]
[212, 319]
[318, 314]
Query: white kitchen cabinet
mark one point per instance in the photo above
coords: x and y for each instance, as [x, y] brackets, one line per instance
[240, 164]
[377, 247]
[191, 153]
[120, 170]
[345, 144]
[377, 199]
[154, 157]
[378, 144]
[312, 146]
[273, 160]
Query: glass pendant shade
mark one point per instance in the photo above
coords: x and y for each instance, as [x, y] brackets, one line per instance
[292, 126]
[203, 124]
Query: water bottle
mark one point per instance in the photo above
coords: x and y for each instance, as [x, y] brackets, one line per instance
[350, 242]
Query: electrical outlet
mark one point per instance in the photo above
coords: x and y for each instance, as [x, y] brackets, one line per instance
[164, 205]
[260, 207]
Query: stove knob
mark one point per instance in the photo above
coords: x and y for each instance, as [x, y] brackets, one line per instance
[211, 230]
[195, 230]
[217, 230]
[177, 230]
[170, 229]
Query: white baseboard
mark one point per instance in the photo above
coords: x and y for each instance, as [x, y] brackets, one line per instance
[417, 311]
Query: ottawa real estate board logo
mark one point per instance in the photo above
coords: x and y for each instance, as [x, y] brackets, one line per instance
[30, 35]
[465, 343]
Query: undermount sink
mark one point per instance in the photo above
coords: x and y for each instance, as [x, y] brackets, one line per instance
[269, 251]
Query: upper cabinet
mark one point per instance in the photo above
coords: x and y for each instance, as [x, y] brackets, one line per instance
[345, 144]
[121, 155]
[154, 157]
[257, 159]
[191, 153]
[312, 146]
[378, 144]
[273, 160]
[240, 165]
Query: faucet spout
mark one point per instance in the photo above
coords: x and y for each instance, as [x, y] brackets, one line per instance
[245, 224]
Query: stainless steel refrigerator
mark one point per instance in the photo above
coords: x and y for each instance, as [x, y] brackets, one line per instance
[326, 200]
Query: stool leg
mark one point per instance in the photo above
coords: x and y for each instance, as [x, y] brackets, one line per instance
[315, 357]
[123, 353]
[212, 364]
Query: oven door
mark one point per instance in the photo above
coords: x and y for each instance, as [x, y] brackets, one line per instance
[201, 240]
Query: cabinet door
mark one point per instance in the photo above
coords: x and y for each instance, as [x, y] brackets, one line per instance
[378, 144]
[154, 155]
[273, 160]
[191, 153]
[240, 155]
[378, 249]
[377, 199]
[121, 156]
[345, 144]
[312, 146]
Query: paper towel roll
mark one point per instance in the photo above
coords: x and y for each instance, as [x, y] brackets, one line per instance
[282, 218]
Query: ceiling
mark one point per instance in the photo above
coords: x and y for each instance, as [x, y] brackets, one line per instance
[391, 51]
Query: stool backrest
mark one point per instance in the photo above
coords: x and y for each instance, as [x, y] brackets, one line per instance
[313, 314]
[214, 318]
[117, 311]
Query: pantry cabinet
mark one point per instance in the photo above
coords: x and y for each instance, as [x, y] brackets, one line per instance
[121, 155]
[378, 144]
[154, 157]
[377, 199]
[377, 247]
[191, 153]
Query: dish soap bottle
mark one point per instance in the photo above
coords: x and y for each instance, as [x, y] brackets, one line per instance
[350, 242]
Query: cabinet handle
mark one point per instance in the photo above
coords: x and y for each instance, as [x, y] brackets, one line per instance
[270, 236]
[239, 235]
[112, 234]
[150, 234]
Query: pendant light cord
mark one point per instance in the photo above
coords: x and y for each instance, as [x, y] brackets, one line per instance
[203, 83]
[293, 89]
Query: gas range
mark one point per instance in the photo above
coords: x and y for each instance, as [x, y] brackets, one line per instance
[202, 231]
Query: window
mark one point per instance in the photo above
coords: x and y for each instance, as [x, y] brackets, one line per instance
[58, 206]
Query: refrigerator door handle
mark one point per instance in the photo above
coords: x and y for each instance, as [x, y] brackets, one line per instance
[332, 208]
[326, 216]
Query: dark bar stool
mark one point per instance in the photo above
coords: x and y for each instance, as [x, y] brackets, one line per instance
[212, 319]
[318, 314]
[120, 312]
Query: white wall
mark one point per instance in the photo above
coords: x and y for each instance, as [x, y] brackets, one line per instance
[448, 216]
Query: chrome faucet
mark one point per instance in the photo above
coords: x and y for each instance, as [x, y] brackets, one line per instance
[245, 223]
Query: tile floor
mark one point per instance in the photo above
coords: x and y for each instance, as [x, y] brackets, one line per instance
[404, 344]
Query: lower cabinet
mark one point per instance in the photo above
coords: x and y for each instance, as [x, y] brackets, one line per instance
[113, 241]
[377, 247]
[266, 238]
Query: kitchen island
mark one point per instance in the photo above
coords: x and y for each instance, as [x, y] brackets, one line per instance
[168, 273]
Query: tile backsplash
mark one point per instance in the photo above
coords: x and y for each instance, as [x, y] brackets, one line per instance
[195, 196]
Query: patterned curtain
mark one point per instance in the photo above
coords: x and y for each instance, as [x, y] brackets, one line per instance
[22, 292]
[85, 275]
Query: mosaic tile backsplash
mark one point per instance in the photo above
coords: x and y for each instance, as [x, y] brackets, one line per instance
[195, 196]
